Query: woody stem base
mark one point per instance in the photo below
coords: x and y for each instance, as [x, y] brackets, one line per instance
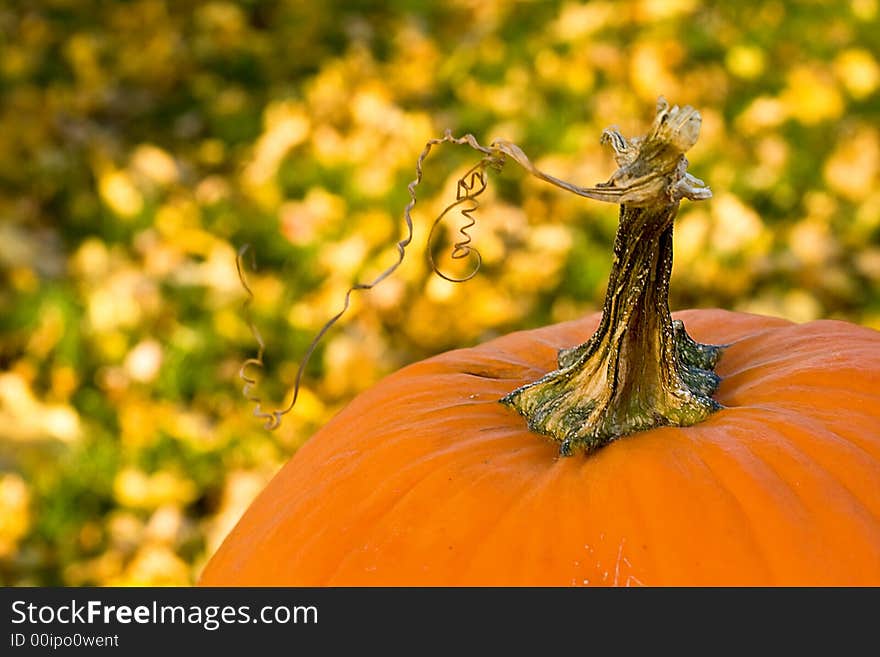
[640, 369]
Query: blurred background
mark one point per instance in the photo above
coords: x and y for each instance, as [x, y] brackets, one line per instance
[143, 142]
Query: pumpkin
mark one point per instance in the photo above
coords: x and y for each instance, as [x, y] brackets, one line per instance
[746, 455]
[427, 480]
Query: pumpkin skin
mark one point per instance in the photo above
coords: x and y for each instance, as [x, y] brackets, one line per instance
[427, 480]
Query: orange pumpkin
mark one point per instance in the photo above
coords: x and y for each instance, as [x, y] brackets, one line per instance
[427, 480]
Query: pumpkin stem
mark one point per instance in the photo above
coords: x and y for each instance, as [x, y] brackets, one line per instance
[640, 369]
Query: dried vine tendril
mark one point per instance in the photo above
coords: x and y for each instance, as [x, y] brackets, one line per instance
[468, 189]
[272, 418]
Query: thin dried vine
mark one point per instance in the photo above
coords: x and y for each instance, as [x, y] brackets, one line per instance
[469, 187]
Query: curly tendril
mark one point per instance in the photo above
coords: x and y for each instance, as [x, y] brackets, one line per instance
[273, 418]
[468, 188]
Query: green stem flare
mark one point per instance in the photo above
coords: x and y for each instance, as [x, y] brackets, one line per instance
[640, 369]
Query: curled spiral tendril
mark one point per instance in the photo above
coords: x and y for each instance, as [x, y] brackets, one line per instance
[468, 188]
[272, 419]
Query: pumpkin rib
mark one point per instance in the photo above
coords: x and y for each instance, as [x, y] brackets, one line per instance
[814, 474]
[333, 575]
[378, 529]
[795, 413]
[408, 474]
[795, 387]
[746, 527]
[524, 495]
[780, 499]
[763, 475]
[729, 327]
[852, 441]
[795, 393]
[775, 349]
[784, 453]
[816, 458]
[641, 518]
[465, 448]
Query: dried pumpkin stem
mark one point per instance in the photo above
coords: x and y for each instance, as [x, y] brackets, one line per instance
[640, 369]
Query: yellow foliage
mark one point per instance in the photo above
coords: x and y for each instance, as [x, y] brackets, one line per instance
[852, 170]
[736, 227]
[14, 512]
[120, 193]
[745, 61]
[811, 95]
[136, 489]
